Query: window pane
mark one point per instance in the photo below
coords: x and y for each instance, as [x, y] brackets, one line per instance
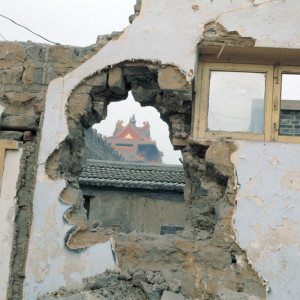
[290, 105]
[236, 102]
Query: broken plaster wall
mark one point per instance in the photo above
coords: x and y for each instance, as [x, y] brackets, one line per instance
[267, 217]
[164, 32]
[25, 72]
[8, 199]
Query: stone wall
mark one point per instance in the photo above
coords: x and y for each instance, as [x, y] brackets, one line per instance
[26, 70]
[97, 148]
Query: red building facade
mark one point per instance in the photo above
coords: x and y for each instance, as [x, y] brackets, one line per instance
[134, 143]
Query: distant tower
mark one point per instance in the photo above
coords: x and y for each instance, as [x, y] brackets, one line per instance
[134, 143]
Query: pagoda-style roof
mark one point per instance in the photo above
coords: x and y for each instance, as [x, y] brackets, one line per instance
[134, 143]
[139, 132]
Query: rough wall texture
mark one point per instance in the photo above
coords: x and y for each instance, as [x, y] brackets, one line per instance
[206, 249]
[7, 213]
[155, 58]
[268, 213]
[25, 72]
[88, 104]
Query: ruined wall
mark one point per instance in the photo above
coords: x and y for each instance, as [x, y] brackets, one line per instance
[267, 214]
[25, 72]
[8, 198]
[155, 58]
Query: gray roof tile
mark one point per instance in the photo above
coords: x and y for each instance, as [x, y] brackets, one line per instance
[98, 173]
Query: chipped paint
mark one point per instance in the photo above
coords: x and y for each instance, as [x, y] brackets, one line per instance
[7, 214]
[152, 37]
[267, 218]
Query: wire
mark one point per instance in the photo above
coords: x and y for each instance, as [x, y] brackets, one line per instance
[3, 37]
[28, 30]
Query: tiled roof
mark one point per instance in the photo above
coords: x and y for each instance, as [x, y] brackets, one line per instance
[97, 173]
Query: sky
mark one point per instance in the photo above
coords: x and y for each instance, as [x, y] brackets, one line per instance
[78, 23]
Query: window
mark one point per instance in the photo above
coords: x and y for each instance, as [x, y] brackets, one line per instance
[256, 100]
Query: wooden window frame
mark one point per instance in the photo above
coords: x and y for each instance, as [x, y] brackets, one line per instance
[273, 71]
[277, 85]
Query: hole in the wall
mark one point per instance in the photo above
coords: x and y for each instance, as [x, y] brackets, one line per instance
[159, 131]
[129, 173]
[203, 196]
[163, 87]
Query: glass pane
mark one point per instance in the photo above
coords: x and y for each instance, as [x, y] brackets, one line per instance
[290, 105]
[236, 102]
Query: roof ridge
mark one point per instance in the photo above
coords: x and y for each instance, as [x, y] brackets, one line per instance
[134, 165]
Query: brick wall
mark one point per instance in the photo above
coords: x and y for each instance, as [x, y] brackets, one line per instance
[289, 123]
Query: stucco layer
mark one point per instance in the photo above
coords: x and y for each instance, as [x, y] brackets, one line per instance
[7, 214]
[267, 218]
[166, 32]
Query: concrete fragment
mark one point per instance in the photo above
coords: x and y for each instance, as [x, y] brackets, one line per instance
[151, 294]
[158, 278]
[19, 122]
[167, 295]
[71, 297]
[79, 105]
[223, 210]
[142, 95]
[124, 275]
[116, 81]
[174, 285]
[216, 258]
[226, 294]
[27, 136]
[11, 135]
[98, 80]
[83, 89]
[171, 79]
[100, 107]
[102, 281]
[138, 277]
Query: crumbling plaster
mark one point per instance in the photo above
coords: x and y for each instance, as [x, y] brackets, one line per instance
[267, 218]
[8, 200]
[166, 32]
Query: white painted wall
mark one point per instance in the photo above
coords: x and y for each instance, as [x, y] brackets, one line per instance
[7, 214]
[267, 218]
[168, 32]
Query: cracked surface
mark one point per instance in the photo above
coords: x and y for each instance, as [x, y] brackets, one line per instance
[206, 249]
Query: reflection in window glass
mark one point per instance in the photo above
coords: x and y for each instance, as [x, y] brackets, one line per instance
[290, 105]
[236, 102]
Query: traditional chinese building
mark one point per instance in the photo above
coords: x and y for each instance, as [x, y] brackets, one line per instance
[134, 143]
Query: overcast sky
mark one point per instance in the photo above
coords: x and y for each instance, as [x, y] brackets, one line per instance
[78, 23]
